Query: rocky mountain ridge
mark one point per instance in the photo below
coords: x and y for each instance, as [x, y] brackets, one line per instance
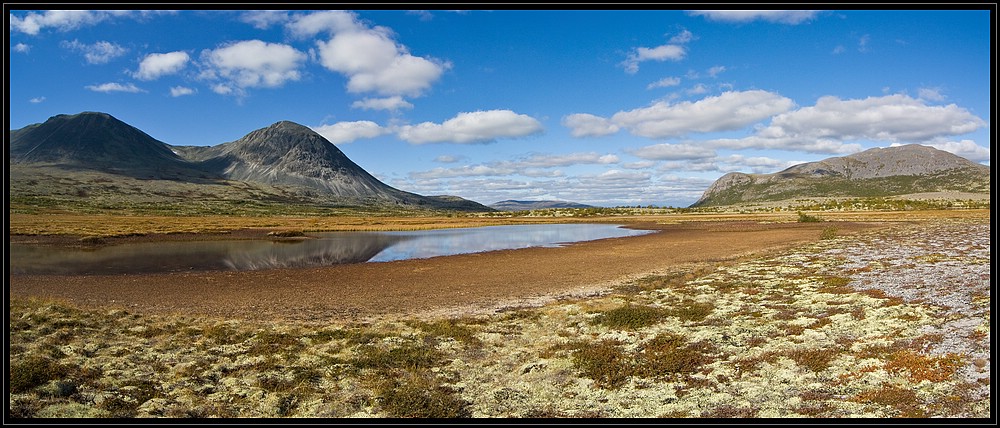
[876, 172]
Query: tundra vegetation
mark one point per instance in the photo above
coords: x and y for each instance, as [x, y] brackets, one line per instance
[891, 323]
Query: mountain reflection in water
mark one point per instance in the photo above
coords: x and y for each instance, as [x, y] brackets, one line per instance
[324, 249]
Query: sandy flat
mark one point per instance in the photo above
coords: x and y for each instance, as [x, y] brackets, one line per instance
[458, 284]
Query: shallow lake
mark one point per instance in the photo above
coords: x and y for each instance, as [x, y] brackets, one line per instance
[326, 248]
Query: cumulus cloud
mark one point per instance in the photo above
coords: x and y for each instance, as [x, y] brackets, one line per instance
[447, 159]
[588, 125]
[473, 127]
[264, 19]
[659, 53]
[62, 20]
[824, 127]
[36, 100]
[98, 53]
[160, 64]
[114, 87]
[673, 152]
[346, 132]
[894, 118]
[727, 111]
[33, 23]
[930, 94]
[22, 48]
[550, 161]
[369, 57]
[714, 71]
[536, 165]
[965, 148]
[791, 17]
[251, 64]
[391, 103]
[665, 82]
[330, 21]
[178, 91]
[673, 51]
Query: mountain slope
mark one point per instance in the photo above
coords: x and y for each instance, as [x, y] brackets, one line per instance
[99, 141]
[872, 173]
[91, 154]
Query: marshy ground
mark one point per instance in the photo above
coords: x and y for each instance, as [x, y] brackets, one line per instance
[886, 319]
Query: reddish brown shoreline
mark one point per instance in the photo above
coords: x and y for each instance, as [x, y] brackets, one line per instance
[452, 284]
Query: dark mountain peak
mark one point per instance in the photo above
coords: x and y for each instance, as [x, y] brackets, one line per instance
[93, 140]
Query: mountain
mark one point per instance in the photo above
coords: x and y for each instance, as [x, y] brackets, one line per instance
[94, 153]
[875, 172]
[512, 205]
[98, 141]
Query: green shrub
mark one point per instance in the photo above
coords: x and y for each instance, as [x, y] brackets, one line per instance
[420, 395]
[828, 233]
[806, 218]
[33, 371]
[605, 363]
[631, 317]
[669, 354]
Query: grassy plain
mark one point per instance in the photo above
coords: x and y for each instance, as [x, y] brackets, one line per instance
[890, 322]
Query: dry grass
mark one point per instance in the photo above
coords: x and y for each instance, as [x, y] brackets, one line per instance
[786, 335]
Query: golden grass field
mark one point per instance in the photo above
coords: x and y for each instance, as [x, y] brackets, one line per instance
[865, 314]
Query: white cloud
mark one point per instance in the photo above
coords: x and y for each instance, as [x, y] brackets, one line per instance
[390, 103]
[839, 49]
[659, 53]
[588, 125]
[682, 37]
[727, 111]
[966, 148]
[369, 57]
[331, 21]
[863, 43]
[474, 127]
[36, 100]
[178, 91]
[159, 64]
[114, 87]
[346, 132]
[62, 20]
[22, 48]
[697, 89]
[930, 94]
[665, 82]
[639, 165]
[550, 161]
[895, 118]
[778, 16]
[98, 53]
[673, 152]
[251, 64]
[263, 19]
[824, 127]
[447, 159]
[536, 165]
[714, 71]
[465, 171]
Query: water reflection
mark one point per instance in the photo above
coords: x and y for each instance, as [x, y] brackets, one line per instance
[326, 249]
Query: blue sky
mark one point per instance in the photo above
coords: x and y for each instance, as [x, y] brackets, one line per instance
[605, 107]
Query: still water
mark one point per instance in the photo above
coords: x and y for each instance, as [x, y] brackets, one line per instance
[328, 248]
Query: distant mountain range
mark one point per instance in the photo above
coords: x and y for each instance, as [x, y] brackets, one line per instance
[877, 172]
[282, 162]
[512, 205]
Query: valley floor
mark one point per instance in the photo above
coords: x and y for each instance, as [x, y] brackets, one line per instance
[865, 317]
